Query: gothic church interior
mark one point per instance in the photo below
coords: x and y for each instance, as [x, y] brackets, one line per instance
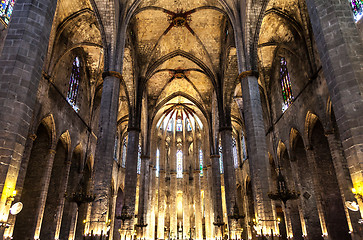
[181, 119]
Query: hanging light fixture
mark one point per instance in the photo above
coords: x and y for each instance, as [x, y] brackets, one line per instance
[283, 193]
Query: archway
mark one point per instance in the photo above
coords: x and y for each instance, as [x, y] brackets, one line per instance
[26, 221]
[333, 207]
[84, 187]
[52, 206]
[291, 206]
[308, 201]
[70, 208]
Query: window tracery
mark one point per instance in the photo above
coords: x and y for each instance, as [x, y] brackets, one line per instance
[179, 164]
[357, 8]
[201, 162]
[124, 151]
[285, 85]
[139, 160]
[235, 154]
[179, 125]
[157, 162]
[74, 84]
[6, 10]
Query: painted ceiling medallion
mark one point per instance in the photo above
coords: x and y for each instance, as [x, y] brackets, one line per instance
[180, 18]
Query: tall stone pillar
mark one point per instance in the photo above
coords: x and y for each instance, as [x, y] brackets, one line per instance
[173, 193]
[257, 149]
[104, 152]
[186, 207]
[162, 204]
[198, 207]
[217, 194]
[206, 181]
[132, 155]
[229, 174]
[21, 64]
[340, 48]
[152, 204]
[143, 194]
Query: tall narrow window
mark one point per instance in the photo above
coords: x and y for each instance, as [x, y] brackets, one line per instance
[357, 7]
[235, 154]
[244, 146]
[221, 169]
[189, 126]
[139, 160]
[285, 85]
[179, 164]
[201, 162]
[74, 84]
[6, 9]
[124, 151]
[115, 150]
[170, 125]
[179, 125]
[157, 162]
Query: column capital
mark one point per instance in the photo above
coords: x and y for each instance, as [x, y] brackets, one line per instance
[145, 157]
[214, 156]
[112, 74]
[249, 73]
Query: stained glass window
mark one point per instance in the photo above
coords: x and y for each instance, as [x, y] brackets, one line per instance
[235, 154]
[357, 7]
[139, 160]
[74, 84]
[115, 151]
[157, 162]
[201, 162]
[285, 85]
[244, 146]
[170, 125]
[189, 126]
[220, 159]
[179, 164]
[124, 151]
[179, 125]
[6, 9]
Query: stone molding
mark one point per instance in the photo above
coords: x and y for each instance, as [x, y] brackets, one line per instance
[112, 74]
[52, 151]
[249, 73]
[215, 156]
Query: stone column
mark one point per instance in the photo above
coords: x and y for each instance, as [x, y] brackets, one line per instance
[216, 193]
[229, 174]
[144, 193]
[345, 184]
[186, 209]
[340, 48]
[152, 203]
[206, 180]
[162, 204]
[257, 148]
[104, 152]
[131, 176]
[173, 192]
[198, 207]
[21, 64]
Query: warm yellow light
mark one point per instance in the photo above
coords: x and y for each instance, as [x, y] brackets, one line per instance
[84, 221]
[278, 219]
[14, 193]
[354, 190]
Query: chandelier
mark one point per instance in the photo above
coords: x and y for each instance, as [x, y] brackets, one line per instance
[283, 193]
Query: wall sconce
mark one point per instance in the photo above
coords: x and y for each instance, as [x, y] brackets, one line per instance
[357, 195]
[11, 198]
